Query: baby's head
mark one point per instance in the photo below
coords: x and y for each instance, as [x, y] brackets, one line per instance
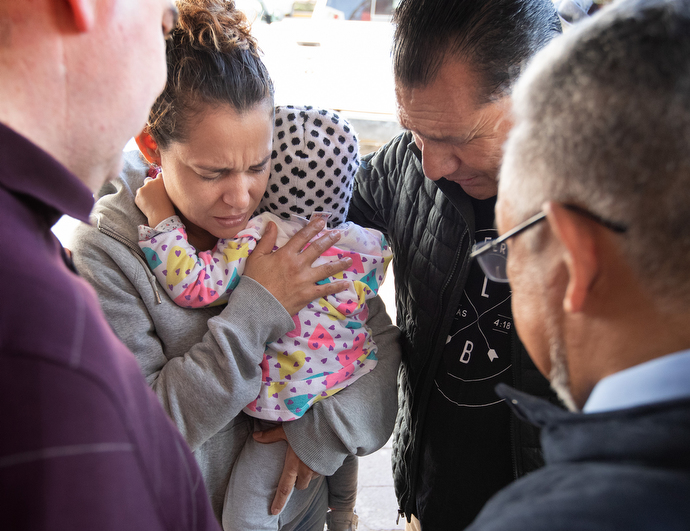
[313, 164]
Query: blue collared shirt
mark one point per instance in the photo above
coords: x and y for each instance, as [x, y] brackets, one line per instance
[659, 380]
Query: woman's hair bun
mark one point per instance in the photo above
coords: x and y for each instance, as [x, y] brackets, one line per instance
[212, 60]
[213, 24]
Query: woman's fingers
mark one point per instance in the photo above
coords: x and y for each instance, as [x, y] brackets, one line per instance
[295, 473]
[267, 242]
[323, 290]
[288, 273]
[317, 247]
[302, 238]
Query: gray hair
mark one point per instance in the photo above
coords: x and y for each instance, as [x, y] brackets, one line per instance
[603, 121]
[496, 37]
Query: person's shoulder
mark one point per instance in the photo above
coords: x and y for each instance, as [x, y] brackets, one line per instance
[107, 254]
[55, 337]
[528, 504]
[384, 173]
[131, 177]
[90, 423]
[66, 427]
[586, 495]
[115, 217]
[397, 151]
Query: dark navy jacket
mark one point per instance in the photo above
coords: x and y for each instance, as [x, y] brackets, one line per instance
[430, 226]
[621, 470]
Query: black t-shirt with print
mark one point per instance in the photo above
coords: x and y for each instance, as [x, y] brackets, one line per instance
[466, 454]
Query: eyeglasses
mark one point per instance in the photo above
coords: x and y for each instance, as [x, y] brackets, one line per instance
[492, 255]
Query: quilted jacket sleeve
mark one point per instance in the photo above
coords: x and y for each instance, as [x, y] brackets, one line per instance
[375, 191]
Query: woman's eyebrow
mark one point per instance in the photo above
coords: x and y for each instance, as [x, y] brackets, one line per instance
[214, 169]
[263, 162]
[210, 169]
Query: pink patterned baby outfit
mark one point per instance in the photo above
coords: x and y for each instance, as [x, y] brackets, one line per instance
[330, 347]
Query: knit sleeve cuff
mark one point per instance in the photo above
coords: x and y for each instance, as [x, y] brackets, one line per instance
[167, 225]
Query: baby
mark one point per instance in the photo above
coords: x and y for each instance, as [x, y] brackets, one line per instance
[314, 159]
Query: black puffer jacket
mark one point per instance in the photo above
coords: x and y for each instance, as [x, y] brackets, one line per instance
[430, 226]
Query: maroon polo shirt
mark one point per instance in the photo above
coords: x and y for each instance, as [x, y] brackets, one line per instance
[84, 443]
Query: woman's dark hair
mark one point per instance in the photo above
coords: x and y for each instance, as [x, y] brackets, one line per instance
[495, 37]
[212, 60]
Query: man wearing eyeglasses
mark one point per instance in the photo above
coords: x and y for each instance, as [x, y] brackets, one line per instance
[432, 191]
[594, 210]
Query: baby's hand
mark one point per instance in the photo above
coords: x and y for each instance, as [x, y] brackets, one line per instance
[153, 201]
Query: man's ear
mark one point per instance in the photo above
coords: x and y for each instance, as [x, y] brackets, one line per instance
[83, 14]
[148, 147]
[581, 258]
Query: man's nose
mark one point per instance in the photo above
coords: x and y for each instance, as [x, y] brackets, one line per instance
[438, 160]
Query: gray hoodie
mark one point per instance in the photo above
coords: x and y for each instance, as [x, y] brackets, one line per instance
[204, 363]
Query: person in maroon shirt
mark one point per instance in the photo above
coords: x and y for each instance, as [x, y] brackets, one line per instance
[85, 443]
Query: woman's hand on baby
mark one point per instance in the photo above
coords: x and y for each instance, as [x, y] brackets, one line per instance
[295, 472]
[153, 201]
[287, 273]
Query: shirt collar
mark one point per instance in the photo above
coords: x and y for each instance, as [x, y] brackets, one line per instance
[26, 169]
[659, 380]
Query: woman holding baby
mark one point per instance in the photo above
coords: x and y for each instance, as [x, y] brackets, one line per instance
[211, 131]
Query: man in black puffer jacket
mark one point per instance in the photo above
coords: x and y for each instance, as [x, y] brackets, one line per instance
[432, 191]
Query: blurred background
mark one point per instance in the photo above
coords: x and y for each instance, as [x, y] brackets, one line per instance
[334, 54]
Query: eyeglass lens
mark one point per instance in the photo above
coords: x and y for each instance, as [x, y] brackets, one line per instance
[493, 262]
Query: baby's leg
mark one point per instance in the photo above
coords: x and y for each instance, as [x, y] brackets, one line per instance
[342, 494]
[253, 484]
[342, 486]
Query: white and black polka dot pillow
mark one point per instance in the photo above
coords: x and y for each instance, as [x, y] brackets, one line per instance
[313, 164]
